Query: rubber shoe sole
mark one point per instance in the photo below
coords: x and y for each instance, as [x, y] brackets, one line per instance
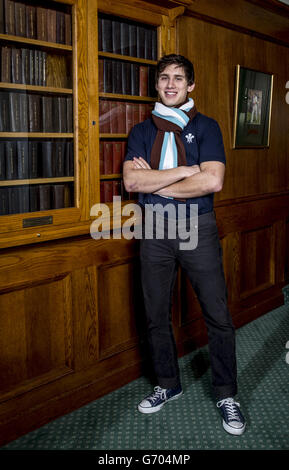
[234, 431]
[154, 409]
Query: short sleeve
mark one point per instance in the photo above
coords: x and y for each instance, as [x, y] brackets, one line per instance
[211, 147]
[136, 145]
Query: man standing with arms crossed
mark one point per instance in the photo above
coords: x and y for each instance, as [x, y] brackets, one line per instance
[177, 157]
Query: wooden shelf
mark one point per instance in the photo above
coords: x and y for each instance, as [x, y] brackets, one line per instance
[61, 179]
[113, 136]
[110, 177]
[126, 58]
[53, 135]
[42, 89]
[126, 97]
[35, 42]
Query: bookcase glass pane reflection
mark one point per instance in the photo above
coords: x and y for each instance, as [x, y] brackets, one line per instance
[36, 107]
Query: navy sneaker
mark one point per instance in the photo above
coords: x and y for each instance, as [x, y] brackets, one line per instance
[233, 420]
[156, 400]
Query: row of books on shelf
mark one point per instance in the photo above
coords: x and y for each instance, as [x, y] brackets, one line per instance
[23, 112]
[130, 39]
[24, 160]
[110, 188]
[118, 117]
[126, 78]
[111, 157]
[38, 197]
[25, 66]
[35, 22]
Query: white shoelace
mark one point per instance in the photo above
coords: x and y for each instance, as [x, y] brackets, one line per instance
[158, 393]
[231, 408]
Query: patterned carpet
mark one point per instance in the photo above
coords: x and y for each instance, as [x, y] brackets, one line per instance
[192, 422]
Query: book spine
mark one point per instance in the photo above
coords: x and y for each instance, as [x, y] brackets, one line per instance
[117, 79]
[33, 170]
[154, 45]
[13, 200]
[34, 197]
[126, 78]
[11, 160]
[68, 35]
[108, 157]
[57, 196]
[48, 168]
[106, 35]
[9, 7]
[36, 67]
[31, 67]
[23, 112]
[31, 31]
[134, 79]
[140, 41]
[60, 114]
[14, 106]
[100, 75]
[59, 158]
[107, 191]
[107, 76]
[34, 113]
[20, 19]
[6, 64]
[132, 40]
[69, 159]
[4, 112]
[25, 75]
[68, 195]
[22, 159]
[44, 68]
[135, 113]
[143, 80]
[116, 188]
[104, 116]
[148, 43]
[41, 21]
[44, 197]
[121, 111]
[51, 25]
[116, 37]
[24, 205]
[114, 117]
[16, 63]
[60, 27]
[47, 113]
[124, 38]
[128, 116]
[117, 157]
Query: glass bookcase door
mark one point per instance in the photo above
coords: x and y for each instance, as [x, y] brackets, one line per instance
[36, 107]
[126, 76]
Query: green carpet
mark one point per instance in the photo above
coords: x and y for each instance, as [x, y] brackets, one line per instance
[192, 422]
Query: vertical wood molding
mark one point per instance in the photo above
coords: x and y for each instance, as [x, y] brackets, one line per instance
[169, 31]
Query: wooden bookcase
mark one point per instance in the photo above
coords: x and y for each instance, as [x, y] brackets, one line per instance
[43, 137]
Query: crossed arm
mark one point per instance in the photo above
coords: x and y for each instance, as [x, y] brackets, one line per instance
[181, 182]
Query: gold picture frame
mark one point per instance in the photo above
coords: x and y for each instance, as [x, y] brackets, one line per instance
[252, 111]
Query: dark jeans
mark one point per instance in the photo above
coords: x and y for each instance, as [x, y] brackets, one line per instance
[204, 267]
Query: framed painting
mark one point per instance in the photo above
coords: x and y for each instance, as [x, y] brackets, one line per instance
[253, 103]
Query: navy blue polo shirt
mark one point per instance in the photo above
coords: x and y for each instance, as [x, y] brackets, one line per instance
[203, 142]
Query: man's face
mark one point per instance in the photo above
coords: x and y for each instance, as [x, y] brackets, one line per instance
[173, 87]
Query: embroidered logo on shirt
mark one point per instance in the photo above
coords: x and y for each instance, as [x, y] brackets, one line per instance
[189, 138]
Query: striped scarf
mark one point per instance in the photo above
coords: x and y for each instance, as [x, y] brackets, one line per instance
[168, 150]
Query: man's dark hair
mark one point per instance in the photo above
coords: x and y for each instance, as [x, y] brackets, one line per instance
[178, 60]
